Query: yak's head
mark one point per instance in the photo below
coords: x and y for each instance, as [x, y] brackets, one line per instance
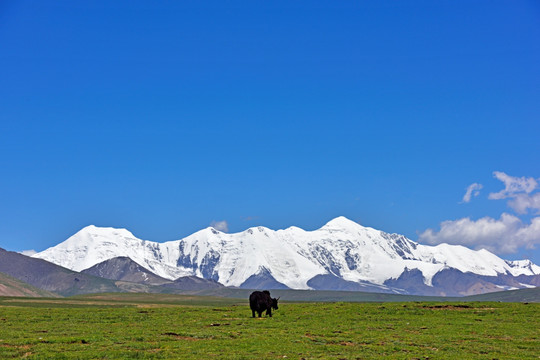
[274, 303]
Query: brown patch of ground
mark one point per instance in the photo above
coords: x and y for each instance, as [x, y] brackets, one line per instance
[183, 337]
[449, 307]
[25, 347]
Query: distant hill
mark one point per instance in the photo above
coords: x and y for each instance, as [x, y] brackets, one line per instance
[262, 280]
[125, 269]
[188, 283]
[50, 277]
[9, 286]
[521, 295]
[27, 276]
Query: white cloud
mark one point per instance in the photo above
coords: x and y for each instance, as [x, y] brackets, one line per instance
[28, 252]
[220, 225]
[522, 202]
[472, 190]
[513, 185]
[518, 191]
[504, 235]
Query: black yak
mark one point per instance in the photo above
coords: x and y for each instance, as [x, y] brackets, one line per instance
[260, 301]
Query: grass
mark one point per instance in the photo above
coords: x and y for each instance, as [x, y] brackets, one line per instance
[151, 326]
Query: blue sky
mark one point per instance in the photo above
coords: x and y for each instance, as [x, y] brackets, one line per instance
[166, 117]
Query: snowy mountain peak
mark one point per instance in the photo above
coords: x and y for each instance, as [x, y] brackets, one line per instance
[105, 231]
[209, 230]
[523, 267]
[342, 223]
[341, 250]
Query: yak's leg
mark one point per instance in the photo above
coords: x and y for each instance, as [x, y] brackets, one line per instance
[253, 313]
[260, 313]
[269, 312]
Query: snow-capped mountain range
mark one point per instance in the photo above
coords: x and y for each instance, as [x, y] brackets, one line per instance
[341, 252]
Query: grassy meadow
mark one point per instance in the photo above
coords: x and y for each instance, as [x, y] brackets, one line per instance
[153, 326]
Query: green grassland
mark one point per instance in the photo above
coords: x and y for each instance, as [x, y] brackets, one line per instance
[156, 326]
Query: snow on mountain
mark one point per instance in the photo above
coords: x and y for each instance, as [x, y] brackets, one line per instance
[93, 245]
[341, 248]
